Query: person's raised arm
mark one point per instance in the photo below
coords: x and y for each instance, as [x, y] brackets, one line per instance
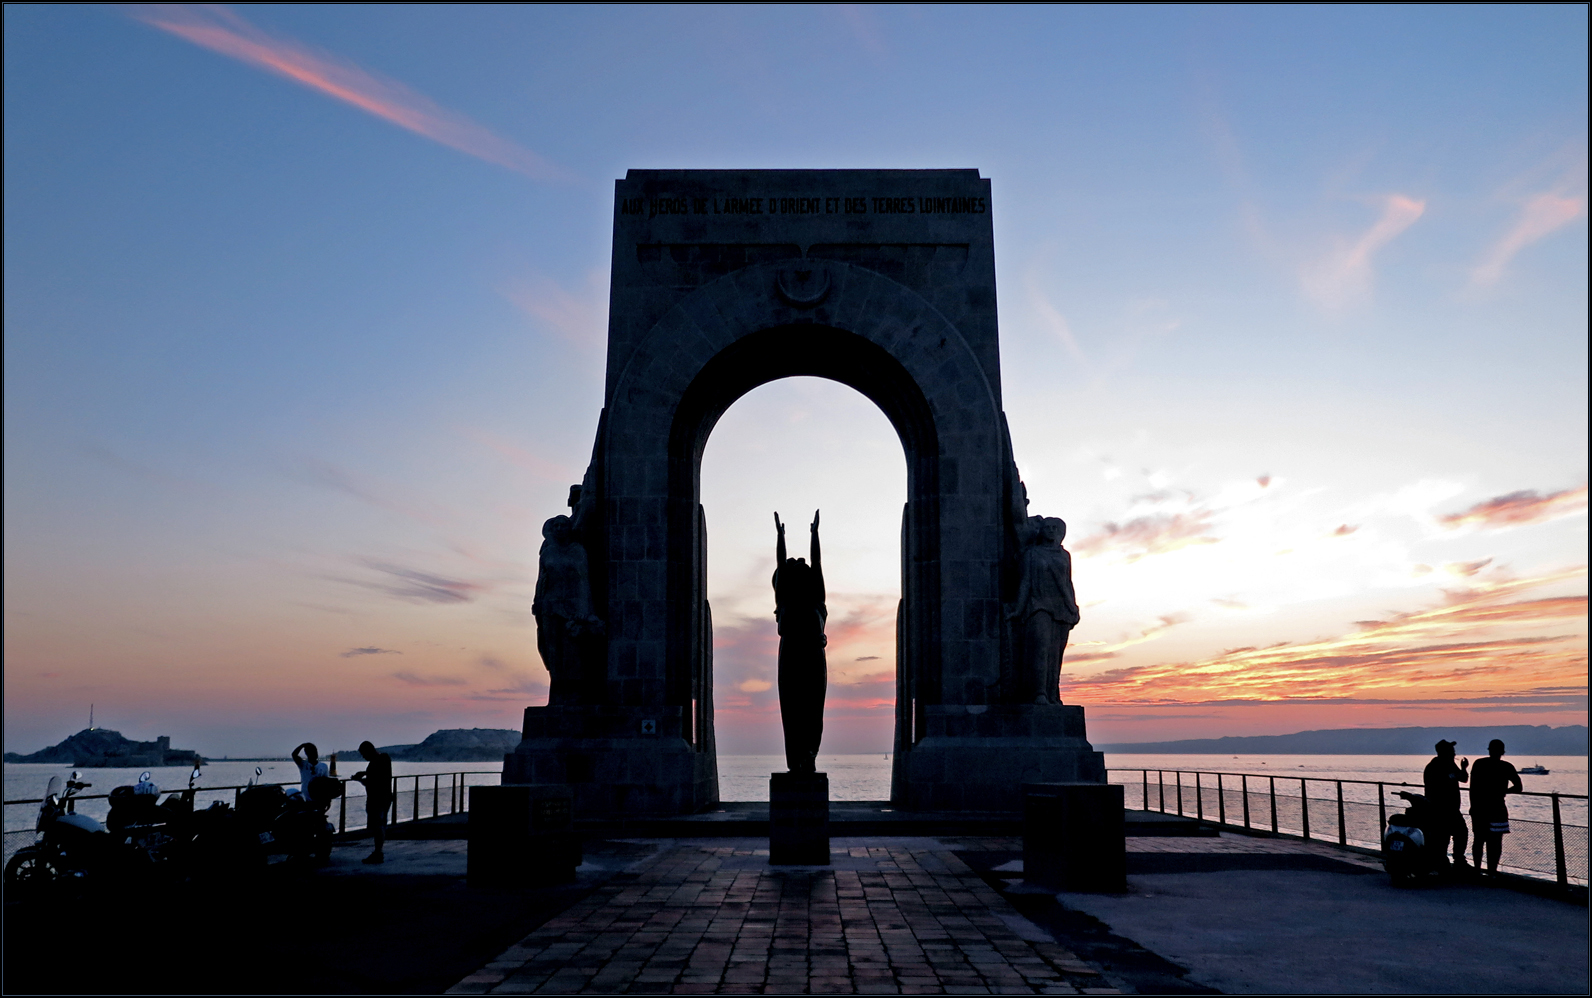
[817, 557]
[296, 750]
[779, 545]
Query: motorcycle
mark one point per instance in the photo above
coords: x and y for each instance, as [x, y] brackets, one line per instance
[290, 823]
[1406, 854]
[171, 837]
[70, 850]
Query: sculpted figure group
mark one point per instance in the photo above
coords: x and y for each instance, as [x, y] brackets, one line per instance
[1042, 615]
[566, 621]
[1046, 608]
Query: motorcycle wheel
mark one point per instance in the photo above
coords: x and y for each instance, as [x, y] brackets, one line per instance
[31, 872]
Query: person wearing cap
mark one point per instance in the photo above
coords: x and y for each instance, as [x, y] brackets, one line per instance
[1442, 780]
[1489, 817]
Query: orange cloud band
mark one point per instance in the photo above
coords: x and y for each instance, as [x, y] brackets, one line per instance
[1436, 649]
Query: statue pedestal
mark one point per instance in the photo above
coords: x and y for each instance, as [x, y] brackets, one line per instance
[521, 836]
[798, 819]
[618, 761]
[977, 758]
[1073, 837]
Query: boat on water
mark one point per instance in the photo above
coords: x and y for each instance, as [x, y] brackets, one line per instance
[1538, 770]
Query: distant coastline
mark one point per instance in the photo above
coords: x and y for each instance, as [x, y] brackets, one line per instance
[101, 747]
[1521, 739]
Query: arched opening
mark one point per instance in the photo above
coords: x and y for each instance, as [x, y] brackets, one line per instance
[795, 445]
[754, 360]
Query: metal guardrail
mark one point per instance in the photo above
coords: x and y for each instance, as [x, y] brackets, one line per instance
[1544, 850]
[414, 796]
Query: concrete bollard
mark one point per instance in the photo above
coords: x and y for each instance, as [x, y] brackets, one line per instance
[1073, 837]
[798, 819]
[522, 835]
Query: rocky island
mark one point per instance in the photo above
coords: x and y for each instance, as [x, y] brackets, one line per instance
[98, 748]
[452, 745]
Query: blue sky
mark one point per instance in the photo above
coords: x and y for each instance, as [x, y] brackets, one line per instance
[305, 311]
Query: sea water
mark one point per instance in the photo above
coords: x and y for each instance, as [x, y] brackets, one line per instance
[851, 777]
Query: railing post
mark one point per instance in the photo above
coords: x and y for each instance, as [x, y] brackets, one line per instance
[1244, 783]
[1221, 802]
[342, 811]
[415, 808]
[1304, 806]
[1145, 797]
[1273, 780]
[394, 804]
[1558, 846]
[1160, 787]
[1177, 774]
[1381, 811]
[1199, 798]
[435, 783]
[1343, 837]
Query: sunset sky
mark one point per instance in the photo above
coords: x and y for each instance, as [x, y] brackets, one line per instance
[305, 312]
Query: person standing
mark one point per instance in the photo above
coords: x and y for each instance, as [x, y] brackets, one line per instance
[1491, 779]
[1442, 780]
[377, 778]
[309, 766]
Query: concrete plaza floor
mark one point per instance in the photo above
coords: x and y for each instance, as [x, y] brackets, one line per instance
[1242, 923]
[952, 916]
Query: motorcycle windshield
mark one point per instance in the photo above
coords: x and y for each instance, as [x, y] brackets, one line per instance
[52, 794]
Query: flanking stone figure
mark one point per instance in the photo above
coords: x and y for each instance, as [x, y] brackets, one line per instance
[566, 622]
[803, 672]
[1046, 608]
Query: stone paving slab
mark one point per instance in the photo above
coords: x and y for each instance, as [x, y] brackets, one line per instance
[709, 916]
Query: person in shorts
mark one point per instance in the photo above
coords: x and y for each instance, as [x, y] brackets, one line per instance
[1491, 779]
[377, 778]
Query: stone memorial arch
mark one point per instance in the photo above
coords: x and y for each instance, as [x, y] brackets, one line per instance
[722, 281]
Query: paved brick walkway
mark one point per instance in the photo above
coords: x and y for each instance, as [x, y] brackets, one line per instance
[709, 916]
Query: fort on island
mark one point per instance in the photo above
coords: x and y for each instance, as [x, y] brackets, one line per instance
[724, 280]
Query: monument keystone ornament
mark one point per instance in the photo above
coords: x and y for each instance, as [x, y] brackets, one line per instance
[724, 280]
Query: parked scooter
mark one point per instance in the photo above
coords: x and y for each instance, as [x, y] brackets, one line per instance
[1406, 855]
[71, 849]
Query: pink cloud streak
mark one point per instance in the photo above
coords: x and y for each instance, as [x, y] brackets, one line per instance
[1541, 215]
[1346, 274]
[220, 30]
[1519, 508]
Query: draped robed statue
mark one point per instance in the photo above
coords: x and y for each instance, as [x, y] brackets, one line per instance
[803, 672]
[566, 620]
[1046, 608]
